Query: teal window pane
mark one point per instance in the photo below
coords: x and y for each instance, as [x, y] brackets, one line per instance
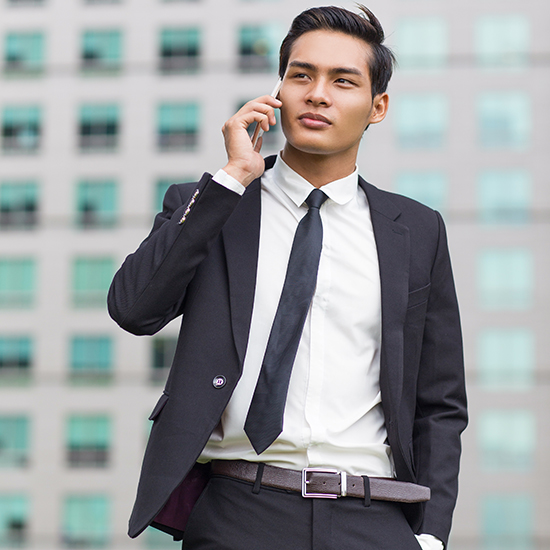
[163, 351]
[422, 42]
[91, 280]
[504, 196]
[157, 540]
[178, 126]
[180, 49]
[258, 47]
[15, 353]
[24, 51]
[14, 441]
[506, 358]
[18, 204]
[502, 40]
[101, 49]
[162, 185]
[504, 120]
[91, 355]
[507, 439]
[505, 279]
[429, 188]
[21, 129]
[508, 522]
[421, 121]
[17, 282]
[96, 203]
[99, 127]
[14, 519]
[88, 440]
[86, 521]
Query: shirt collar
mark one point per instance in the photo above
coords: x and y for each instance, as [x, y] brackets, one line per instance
[298, 188]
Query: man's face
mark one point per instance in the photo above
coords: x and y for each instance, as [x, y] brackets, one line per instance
[326, 94]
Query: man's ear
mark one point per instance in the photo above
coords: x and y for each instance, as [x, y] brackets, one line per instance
[380, 105]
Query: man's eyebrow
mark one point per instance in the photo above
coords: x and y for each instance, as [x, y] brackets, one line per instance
[335, 70]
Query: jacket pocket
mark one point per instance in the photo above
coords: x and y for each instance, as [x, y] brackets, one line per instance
[419, 296]
[159, 406]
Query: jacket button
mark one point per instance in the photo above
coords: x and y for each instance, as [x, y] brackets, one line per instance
[219, 381]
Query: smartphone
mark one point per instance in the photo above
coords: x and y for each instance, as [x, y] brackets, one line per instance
[258, 131]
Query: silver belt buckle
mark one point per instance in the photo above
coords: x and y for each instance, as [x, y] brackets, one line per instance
[305, 483]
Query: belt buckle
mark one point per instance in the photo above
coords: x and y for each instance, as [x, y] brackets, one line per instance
[305, 482]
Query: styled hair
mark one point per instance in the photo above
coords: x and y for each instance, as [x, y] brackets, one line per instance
[364, 26]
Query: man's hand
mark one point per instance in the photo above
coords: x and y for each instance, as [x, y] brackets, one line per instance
[245, 163]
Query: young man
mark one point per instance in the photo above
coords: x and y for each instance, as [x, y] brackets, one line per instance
[320, 350]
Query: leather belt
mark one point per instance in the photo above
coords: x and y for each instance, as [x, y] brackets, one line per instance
[323, 482]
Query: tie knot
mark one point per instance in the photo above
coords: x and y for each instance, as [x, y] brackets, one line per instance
[316, 198]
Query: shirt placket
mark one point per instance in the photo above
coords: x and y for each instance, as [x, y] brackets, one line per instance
[318, 341]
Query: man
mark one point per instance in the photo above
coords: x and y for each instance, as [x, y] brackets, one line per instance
[320, 346]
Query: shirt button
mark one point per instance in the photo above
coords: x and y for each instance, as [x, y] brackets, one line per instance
[219, 381]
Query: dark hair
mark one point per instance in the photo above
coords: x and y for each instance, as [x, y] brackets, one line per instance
[364, 26]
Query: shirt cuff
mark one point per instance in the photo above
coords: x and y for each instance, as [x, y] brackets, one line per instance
[223, 178]
[429, 542]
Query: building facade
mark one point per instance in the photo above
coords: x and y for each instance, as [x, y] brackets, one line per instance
[104, 103]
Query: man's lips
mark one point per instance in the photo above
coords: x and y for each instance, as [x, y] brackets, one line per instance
[313, 120]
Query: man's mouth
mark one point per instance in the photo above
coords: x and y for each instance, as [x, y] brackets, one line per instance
[313, 120]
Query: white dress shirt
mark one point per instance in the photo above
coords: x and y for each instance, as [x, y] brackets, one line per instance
[333, 415]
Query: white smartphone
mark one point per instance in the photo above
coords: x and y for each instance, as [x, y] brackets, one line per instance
[258, 131]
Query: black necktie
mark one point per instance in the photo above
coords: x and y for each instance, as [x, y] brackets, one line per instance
[264, 421]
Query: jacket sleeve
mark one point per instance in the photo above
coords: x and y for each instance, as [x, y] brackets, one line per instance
[441, 397]
[148, 291]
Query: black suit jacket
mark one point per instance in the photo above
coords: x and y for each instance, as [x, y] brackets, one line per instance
[202, 265]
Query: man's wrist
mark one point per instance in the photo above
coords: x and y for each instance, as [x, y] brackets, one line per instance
[228, 181]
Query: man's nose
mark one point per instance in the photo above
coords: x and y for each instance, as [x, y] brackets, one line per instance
[318, 93]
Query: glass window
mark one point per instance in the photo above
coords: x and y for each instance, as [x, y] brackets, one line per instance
[161, 186]
[258, 48]
[99, 127]
[507, 439]
[157, 540]
[14, 441]
[17, 282]
[163, 351]
[507, 522]
[24, 52]
[429, 188]
[101, 49]
[91, 358]
[179, 49]
[14, 519]
[96, 203]
[421, 120]
[91, 280]
[178, 126]
[504, 196]
[506, 358]
[86, 521]
[504, 120]
[422, 42]
[505, 279]
[21, 129]
[18, 204]
[15, 354]
[502, 40]
[88, 440]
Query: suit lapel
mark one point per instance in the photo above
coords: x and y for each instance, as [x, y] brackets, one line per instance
[392, 243]
[241, 238]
